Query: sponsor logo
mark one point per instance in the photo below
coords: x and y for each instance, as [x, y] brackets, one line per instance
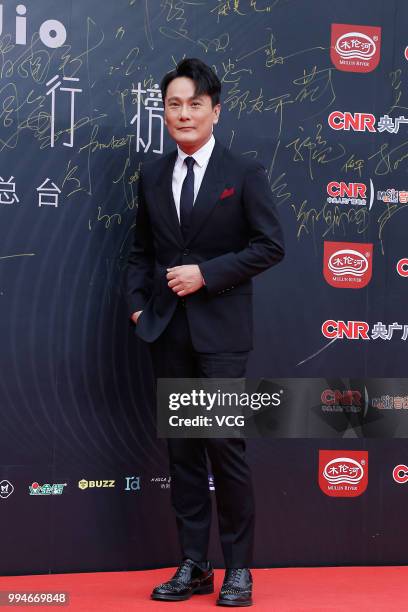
[406, 53]
[46, 489]
[402, 267]
[352, 194]
[358, 122]
[355, 330]
[343, 473]
[390, 402]
[347, 264]
[6, 489]
[392, 196]
[52, 33]
[162, 481]
[211, 484]
[352, 330]
[355, 48]
[96, 484]
[400, 473]
[335, 400]
[132, 483]
[365, 122]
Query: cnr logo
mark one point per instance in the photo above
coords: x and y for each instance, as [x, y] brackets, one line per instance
[351, 190]
[400, 473]
[348, 397]
[359, 122]
[352, 330]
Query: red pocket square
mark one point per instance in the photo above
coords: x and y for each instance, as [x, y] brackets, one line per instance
[227, 192]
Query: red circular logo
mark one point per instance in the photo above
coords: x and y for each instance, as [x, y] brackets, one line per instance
[402, 267]
[400, 473]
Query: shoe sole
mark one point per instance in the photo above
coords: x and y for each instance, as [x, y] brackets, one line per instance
[235, 604]
[197, 591]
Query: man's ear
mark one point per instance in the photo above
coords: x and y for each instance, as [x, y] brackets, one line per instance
[217, 108]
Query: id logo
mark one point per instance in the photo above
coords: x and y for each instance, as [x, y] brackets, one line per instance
[132, 483]
[355, 48]
[347, 264]
[343, 473]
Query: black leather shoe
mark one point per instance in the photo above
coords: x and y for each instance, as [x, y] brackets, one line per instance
[189, 579]
[236, 589]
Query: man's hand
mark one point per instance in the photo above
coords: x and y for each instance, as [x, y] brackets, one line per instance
[136, 315]
[185, 279]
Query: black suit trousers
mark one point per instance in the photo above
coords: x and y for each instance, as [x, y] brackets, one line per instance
[174, 357]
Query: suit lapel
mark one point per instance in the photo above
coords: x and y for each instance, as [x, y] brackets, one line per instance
[207, 197]
[209, 192]
[165, 200]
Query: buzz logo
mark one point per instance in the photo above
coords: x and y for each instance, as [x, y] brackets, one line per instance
[96, 484]
[132, 483]
[52, 32]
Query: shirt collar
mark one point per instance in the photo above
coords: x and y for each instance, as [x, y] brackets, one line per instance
[201, 155]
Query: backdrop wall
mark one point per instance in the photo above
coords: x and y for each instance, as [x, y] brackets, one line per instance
[323, 107]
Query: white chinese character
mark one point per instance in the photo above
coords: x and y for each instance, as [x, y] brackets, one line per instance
[8, 191]
[379, 331]
[386, 123]
[391, 329]
[153, 104]
[55, 82]
[48, 196]
[398, 120]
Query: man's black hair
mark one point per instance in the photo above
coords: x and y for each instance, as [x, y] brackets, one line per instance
[205, 79]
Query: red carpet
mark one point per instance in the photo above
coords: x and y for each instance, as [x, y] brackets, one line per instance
[333, 589]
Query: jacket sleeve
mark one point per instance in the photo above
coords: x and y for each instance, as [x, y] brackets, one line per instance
[140, 266]
[265, 247]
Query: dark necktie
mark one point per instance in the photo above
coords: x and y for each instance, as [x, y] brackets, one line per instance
[187, 197]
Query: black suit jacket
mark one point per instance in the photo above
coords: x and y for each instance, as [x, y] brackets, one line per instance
[231, 238]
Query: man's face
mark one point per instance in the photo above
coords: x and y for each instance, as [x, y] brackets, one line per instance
[189, 118]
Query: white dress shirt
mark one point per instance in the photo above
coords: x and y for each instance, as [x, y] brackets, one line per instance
[202, 157]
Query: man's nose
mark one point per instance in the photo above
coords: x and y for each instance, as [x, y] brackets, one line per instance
[184, 111]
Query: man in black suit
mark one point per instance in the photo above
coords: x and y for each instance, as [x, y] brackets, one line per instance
[205, 225]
